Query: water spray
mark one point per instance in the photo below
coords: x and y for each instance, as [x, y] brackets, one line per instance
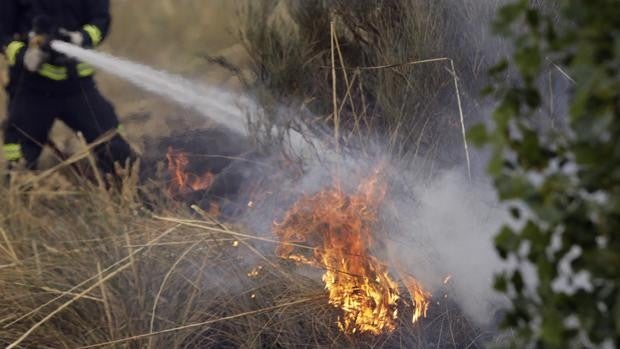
[213, 102]
[222, 106]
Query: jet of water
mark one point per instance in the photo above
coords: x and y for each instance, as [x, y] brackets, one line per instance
[222, 106]
[225, 107]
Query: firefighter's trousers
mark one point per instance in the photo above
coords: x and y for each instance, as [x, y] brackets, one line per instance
[31, 114]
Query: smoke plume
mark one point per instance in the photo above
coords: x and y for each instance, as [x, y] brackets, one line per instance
[445, 228]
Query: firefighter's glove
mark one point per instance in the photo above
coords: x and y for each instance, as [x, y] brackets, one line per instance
[34, 58]
[76, 38]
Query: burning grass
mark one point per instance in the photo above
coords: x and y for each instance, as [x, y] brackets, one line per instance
[334, 231]
[90, 268]
[182, 181]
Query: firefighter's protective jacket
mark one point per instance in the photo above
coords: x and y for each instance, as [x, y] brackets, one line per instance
[91, 17]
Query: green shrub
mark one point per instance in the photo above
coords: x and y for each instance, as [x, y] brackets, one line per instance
[567, 181]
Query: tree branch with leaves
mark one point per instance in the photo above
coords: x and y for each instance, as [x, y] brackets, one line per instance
[563, 184]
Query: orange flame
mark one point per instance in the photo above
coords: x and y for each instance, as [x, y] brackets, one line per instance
[419, 297]
[333, 230]
[182, 181]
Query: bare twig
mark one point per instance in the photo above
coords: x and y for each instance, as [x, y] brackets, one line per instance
[334, 86]
[37, 260]
[9, 247]
[106, 303]
[202, 225]
[562, 71]
[463, 130]
[397, 65]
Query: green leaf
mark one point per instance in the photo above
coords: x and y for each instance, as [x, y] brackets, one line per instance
[517, 282]
[507, 15]
[532, 98]
[499, 68]
[500, 283]
[535, 236]
[514, 187]
[546, 270]
[533, 18]
[494, 166]
[487, 91]
[478, 135]
[506, 241]
[528, 61]
[551, 329]
[515, 212]
[530, 152]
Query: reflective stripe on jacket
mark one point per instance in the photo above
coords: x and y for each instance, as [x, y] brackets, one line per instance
[91, 17]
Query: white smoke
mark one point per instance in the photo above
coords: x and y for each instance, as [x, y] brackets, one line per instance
[446, 227]
[432, 227]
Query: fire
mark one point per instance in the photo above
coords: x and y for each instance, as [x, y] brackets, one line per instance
[419, 297]
[334, 231]
[183, 182]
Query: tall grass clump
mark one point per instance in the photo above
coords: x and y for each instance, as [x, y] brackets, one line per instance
[86, 266]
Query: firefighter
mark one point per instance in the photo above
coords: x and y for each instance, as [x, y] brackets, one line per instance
[45, 85]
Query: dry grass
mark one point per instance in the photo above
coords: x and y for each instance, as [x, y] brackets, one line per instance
[81, 266]
[379, 94]
[88, 267]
